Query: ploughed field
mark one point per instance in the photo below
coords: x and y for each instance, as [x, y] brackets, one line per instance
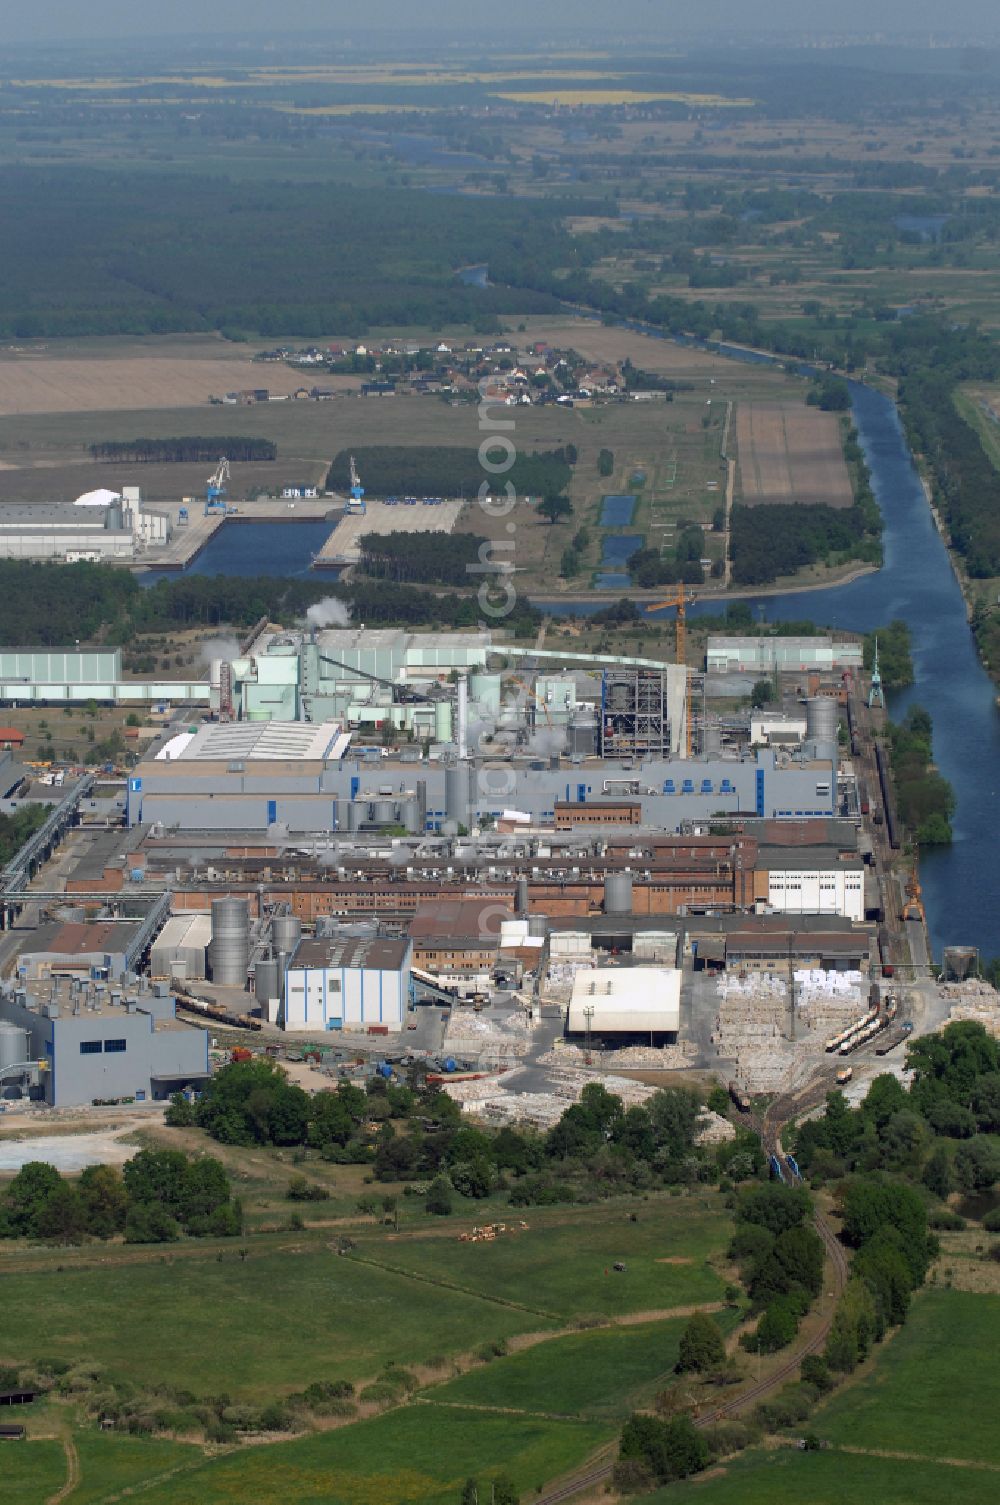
[790, 453]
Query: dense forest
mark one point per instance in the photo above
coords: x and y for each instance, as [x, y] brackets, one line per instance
[770, 541]
[117, 252]
[182, 450]
[446, 470]
[420, 557]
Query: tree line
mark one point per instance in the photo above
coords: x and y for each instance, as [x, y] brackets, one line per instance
[50, 604]
[966, 484]
[183, 450]
[924, 798]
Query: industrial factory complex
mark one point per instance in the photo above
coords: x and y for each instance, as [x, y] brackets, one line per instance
[483, 852]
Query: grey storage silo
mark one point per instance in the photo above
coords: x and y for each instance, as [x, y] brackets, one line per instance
[456, 793]
[265, 980]
[286, 931]
[821, 719]
[618, 893]
[15, 1045]
[521, 896]
[229, 952]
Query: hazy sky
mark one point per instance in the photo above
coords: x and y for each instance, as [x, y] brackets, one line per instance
[52, 20]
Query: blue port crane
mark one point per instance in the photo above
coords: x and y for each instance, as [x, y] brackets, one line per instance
[357, 501]
[215, 495]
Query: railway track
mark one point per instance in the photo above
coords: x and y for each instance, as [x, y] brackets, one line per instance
[778, 1114]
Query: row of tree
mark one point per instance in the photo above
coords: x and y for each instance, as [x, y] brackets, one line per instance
[966, 484]
[184, 450]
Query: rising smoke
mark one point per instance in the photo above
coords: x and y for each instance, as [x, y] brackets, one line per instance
[225, 648]
[328, 613]
[546, 741]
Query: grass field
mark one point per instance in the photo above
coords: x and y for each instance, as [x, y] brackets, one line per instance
[422, 1452]
[563, 1264]
[289, 1315]
[792, 1478]
[110, 1464]
[934, 1390]
[598, 1374]
[31, 1471]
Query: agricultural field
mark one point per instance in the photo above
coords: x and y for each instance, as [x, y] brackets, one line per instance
[790, 453]
[35, 381]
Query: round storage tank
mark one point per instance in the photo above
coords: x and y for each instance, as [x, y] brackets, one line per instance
[821, 720]
[286, 931]
[410, 817]
[521, 896]
[537, 925]
[618, 893]
[265, 979]
[354, 816]
[385, 812]
[229, 952]
[484, 692]
[15, 1045]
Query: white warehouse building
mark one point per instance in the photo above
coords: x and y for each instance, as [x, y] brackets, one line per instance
[805, 887]
[635, 1001]
[351, 984]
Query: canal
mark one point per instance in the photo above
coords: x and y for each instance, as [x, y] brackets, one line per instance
[961, 882]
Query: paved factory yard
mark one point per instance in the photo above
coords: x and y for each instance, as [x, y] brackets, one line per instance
[790, 453]
[342, 545]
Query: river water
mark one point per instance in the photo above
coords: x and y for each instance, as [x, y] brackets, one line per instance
[961, 882]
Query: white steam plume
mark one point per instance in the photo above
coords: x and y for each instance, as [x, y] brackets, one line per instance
[224, 648]
[547, 740]
[328, 613]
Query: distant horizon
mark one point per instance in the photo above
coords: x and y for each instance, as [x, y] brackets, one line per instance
[918, 23]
